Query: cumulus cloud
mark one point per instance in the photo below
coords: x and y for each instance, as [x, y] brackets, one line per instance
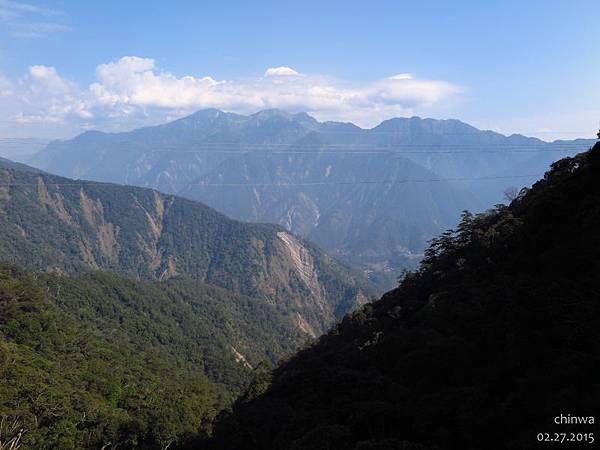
[43, 96]
[133, 81]
[281, 71]
[48, 79]
[134, 90]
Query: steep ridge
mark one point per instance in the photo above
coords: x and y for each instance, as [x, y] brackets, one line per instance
[166, 157]
[483, 161]
[50, 223]
[317, 178]
[360, 208]
[484, 346]
[98, 360]
[150, 157]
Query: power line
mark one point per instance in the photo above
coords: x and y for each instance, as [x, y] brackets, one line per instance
[139, 145]
[365, 152]
[364, 134]
[27, 139]
[384, 182]
[280, 149]
[374, 131]
[83, 183]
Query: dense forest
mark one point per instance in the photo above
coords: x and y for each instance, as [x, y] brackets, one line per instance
[493, 337]
[481, 347]
[50, 223]
[99, 361]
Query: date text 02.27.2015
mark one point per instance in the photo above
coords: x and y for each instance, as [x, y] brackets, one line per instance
[587, 438]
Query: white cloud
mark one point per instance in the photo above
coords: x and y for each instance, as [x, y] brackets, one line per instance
[43, 96]
[282, 71]
[133, 91]
[402, 76]
[47, 78]
[133, 82]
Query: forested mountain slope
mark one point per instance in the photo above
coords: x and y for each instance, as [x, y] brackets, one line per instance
[10, 164]
[97, 359]
[492, 338]
[373, 197]
[362, 208]
[51, 223]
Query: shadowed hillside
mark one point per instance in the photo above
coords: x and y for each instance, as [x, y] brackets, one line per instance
[492, 338]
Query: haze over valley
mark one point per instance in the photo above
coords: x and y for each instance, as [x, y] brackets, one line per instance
[371, 197]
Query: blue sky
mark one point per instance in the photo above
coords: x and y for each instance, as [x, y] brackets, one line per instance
[529, 67]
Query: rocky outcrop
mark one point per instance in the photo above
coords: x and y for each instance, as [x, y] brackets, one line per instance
[72, 225]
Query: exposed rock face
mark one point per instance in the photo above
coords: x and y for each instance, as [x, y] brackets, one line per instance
[361, 194]
[53, 223]
[239, 358]
[304, 326]
[53, 202]
[106, 232]
[303, 262]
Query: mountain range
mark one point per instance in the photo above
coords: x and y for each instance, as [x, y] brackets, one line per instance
[51, 223]
[131, 318]
[487, 345]
[371, 197]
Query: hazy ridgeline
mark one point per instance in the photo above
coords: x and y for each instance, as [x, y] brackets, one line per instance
[136, 319]
[371, 197]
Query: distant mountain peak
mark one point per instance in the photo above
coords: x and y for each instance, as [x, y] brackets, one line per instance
[267, 114]
[372, 197]
[91, 134]
[303, 116]
[204, 115]
[208, 112]
[428, 124]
